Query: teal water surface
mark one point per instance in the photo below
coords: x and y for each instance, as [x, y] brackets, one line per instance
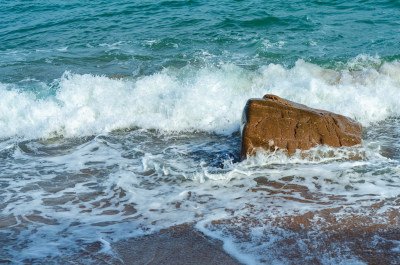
[41, 40]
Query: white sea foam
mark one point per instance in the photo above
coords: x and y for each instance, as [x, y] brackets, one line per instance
[209, 99]
[63, 49]
[269, 44]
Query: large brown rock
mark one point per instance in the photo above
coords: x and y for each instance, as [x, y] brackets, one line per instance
[274, 123]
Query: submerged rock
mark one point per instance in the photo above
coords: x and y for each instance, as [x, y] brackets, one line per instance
[273, 123]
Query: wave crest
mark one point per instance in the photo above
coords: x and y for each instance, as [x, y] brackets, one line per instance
[209, 99]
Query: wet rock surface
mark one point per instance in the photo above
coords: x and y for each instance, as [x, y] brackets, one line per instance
[273, 123]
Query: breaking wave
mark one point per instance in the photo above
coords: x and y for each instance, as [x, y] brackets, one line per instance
[209, 99]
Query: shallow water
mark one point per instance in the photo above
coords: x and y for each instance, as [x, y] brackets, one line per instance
[120, 119]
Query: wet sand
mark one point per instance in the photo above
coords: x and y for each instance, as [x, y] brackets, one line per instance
[181, 244]
[351, 239]
[176, 245]
[354, 239]
[320, 237]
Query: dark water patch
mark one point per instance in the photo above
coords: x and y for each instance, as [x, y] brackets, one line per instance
[264, 22]
[386, 135]
[53, 146]
[175, 4]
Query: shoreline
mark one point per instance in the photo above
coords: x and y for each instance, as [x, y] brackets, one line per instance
[352, 239]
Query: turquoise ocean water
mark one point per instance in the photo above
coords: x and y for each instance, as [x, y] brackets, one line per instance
[121, 118]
